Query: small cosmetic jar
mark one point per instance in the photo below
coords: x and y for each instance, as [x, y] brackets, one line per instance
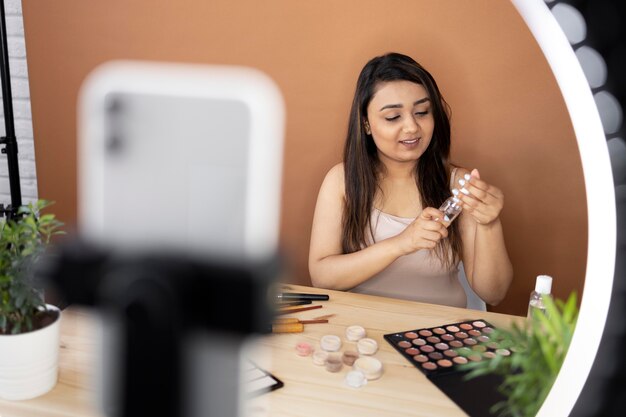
[333, 363]
[355, 379]
[303, 349]
[319, 357]
[355, 333]
[372, 368]
[330, 343]
[349, 356]
[367, 346]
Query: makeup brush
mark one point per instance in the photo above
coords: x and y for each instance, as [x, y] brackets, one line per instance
[288, 328]
[293, 325]
[295, 309]
[327, 316]
[293, 303]
[287, 320]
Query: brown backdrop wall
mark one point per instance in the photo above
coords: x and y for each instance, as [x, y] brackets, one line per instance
[509, 119]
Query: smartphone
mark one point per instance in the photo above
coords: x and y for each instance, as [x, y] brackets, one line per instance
[182, 157]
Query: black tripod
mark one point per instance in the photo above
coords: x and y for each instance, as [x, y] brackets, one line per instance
[9, 141]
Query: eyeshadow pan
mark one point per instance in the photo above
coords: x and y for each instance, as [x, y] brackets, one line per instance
[441, 346]
[425, 333]
[461, 335]
[470, 341]
[475, 358]
[439, 331]
[404, 344]
[412, 351]
[452, 329]
[503, 352]
[489, 355]
[427, 348]
[446, 363]
[465, 326]
[433, 339]
[410, 335]
[447, 337]
[451, 353]
[483, 339]
[435, 356]
[474, 333]
[456, 344]
[479, 348]
[429, 365]
[487, 330]
[460, 360]
[420, 358]
[419, 342]
[479, 324]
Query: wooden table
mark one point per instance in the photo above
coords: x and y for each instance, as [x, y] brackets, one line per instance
[309, 390]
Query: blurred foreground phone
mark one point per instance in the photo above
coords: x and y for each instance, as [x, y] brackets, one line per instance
[181, 156]
[180, 160]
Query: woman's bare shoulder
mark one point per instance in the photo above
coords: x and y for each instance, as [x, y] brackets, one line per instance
[335, 178]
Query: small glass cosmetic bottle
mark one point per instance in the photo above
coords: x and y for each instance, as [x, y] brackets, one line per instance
[543, 286]
[451, 208]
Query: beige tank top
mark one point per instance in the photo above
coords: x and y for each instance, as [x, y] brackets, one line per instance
[419, 276]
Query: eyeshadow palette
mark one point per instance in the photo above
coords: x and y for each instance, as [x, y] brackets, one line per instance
[438, 351]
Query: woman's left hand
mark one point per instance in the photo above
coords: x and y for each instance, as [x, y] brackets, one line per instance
[481, 200]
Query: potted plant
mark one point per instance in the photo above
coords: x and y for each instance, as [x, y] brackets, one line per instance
[29, 328]
[539, 346]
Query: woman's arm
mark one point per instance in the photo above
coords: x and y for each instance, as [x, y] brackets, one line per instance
[331, 268]
[486, 261]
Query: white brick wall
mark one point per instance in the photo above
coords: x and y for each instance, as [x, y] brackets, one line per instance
[21, 108]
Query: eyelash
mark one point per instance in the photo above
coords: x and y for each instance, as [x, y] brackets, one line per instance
[420, 113]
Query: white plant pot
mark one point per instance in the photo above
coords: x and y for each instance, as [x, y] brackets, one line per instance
[29, 362]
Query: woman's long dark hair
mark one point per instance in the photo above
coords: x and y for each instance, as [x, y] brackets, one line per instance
[362, 166]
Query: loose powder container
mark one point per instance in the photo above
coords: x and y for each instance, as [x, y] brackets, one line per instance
[303, 349]
[319, 357]
[356, 379]
[367, 346]
[333, 363]
[330, 343]
[349, 356]
[372, 368]
[355, 333]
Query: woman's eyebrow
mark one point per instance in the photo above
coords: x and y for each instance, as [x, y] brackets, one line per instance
[397, 106]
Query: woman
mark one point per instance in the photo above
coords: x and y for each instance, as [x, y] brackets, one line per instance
[376, 227]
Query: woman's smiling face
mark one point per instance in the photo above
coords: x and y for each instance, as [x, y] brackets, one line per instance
[400, 120]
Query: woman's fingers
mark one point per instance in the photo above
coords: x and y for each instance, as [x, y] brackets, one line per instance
[432, 235]
[480, 189]
[431, 213]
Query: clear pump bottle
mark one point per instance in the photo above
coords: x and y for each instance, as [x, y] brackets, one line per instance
[543, 286]
[450, 208]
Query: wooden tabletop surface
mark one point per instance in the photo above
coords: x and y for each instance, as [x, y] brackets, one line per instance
[309, 390]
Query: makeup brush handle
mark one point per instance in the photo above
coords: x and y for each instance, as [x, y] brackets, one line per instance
[296, 309]
[286, 320]
[287, 328]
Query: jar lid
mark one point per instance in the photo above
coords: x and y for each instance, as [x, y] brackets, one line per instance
[543, 284]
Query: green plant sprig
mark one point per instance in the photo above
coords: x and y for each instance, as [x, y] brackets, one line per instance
[539, 345]
[23, 240]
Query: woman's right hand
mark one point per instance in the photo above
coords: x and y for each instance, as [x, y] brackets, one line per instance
[424, 233]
